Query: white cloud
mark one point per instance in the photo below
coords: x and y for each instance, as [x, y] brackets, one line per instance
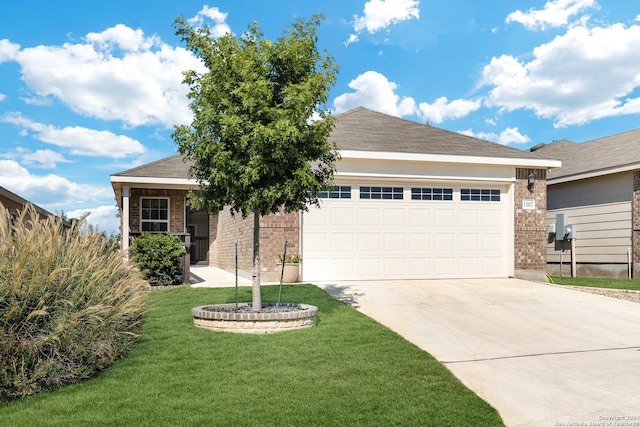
[442, 109]
[556, 13]
[104, 217]
[373, 90]
[584, 75]
[45, 159]
[380, 14]
[2, 97]
[49, 191]
[219, 28]
[8, 50]
[118, 74]
[506, 137]
[80, 140]
[122, 37]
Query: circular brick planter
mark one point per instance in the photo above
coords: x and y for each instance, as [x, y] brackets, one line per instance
[227, 320]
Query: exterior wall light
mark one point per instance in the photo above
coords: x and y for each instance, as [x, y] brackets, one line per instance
[531, 180]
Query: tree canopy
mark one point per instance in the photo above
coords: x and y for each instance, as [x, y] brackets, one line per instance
[259, 137]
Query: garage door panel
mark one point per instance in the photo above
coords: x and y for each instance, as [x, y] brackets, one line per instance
[469, 242]
[492, 218]
[393, 217]
[468, 218]
[445, 267]
[493, 266]
[369, 242]
[443, 242]
[368, 217]
[342, 242]
[444, 218]
[318, 243]
[420, 217]
[394, 267]
[342, 217]
[421, 267]
[492, 242]
[469, 266]
[420, 242]
[369, 267]
[395, 242]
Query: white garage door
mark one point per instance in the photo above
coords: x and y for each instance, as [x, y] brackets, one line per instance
[364, 231]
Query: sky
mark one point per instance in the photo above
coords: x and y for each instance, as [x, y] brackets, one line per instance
[89, 89]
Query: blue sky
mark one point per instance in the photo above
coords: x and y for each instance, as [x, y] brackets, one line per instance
[88, 89]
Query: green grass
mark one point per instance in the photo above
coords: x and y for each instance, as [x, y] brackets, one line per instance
[627, 284]
[346, 370]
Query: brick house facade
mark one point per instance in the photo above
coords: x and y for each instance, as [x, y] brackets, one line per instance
[383, 150]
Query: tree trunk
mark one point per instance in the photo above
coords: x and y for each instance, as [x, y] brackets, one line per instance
[257, 297]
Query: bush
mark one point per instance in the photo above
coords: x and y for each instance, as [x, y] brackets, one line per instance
[158, 256]
[69, 306]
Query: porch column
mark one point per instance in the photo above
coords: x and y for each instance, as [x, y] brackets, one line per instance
[125, 222]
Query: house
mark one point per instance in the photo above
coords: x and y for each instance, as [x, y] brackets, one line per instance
[410, 201]
[15, 203]
[598, 190]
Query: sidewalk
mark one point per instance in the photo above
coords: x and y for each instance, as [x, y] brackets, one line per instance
[203, 276]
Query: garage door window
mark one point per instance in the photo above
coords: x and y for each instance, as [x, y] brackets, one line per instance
[337, 192]
[381, 193]
[431, 193]
[479, 195]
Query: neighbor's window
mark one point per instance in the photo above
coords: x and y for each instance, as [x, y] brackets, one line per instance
[154, 215]
[337, 192]
[431, 193]
[479, 195]
[381, 193]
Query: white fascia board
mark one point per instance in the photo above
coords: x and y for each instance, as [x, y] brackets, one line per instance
[441, 158]
[154, 180]
[593, 174]
[420, 177]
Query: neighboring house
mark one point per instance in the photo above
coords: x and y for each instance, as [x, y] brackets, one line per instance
[410, 201]
[598, 189]
[16, 204]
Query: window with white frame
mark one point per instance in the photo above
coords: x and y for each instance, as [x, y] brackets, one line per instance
[381, 193]
[425, 193]
[154, 214]
[337, 192]
[479, 195]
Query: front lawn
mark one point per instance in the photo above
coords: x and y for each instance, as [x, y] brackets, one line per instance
[347, 370]
[627, 284]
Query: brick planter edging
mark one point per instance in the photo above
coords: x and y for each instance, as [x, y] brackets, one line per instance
[254, 323]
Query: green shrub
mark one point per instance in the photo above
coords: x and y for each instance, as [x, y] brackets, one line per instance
[69, 306]
[158, 256]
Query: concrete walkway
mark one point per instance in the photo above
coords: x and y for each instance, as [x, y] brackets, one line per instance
[203, 276]
[541, 355]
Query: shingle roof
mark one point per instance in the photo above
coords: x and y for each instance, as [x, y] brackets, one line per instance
[366, 130]
[598, 155]
[362, 129]
[169, 167]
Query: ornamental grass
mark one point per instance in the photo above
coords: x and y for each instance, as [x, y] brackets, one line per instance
[69, 306]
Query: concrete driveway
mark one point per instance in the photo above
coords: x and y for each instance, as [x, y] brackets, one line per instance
[541, 355]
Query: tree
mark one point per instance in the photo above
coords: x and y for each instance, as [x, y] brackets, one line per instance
[253, 142]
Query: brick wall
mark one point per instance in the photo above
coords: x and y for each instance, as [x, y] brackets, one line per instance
[530, 231]
[275, 229]
[176, 207]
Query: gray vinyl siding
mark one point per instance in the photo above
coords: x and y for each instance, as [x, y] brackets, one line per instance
[601, 208]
